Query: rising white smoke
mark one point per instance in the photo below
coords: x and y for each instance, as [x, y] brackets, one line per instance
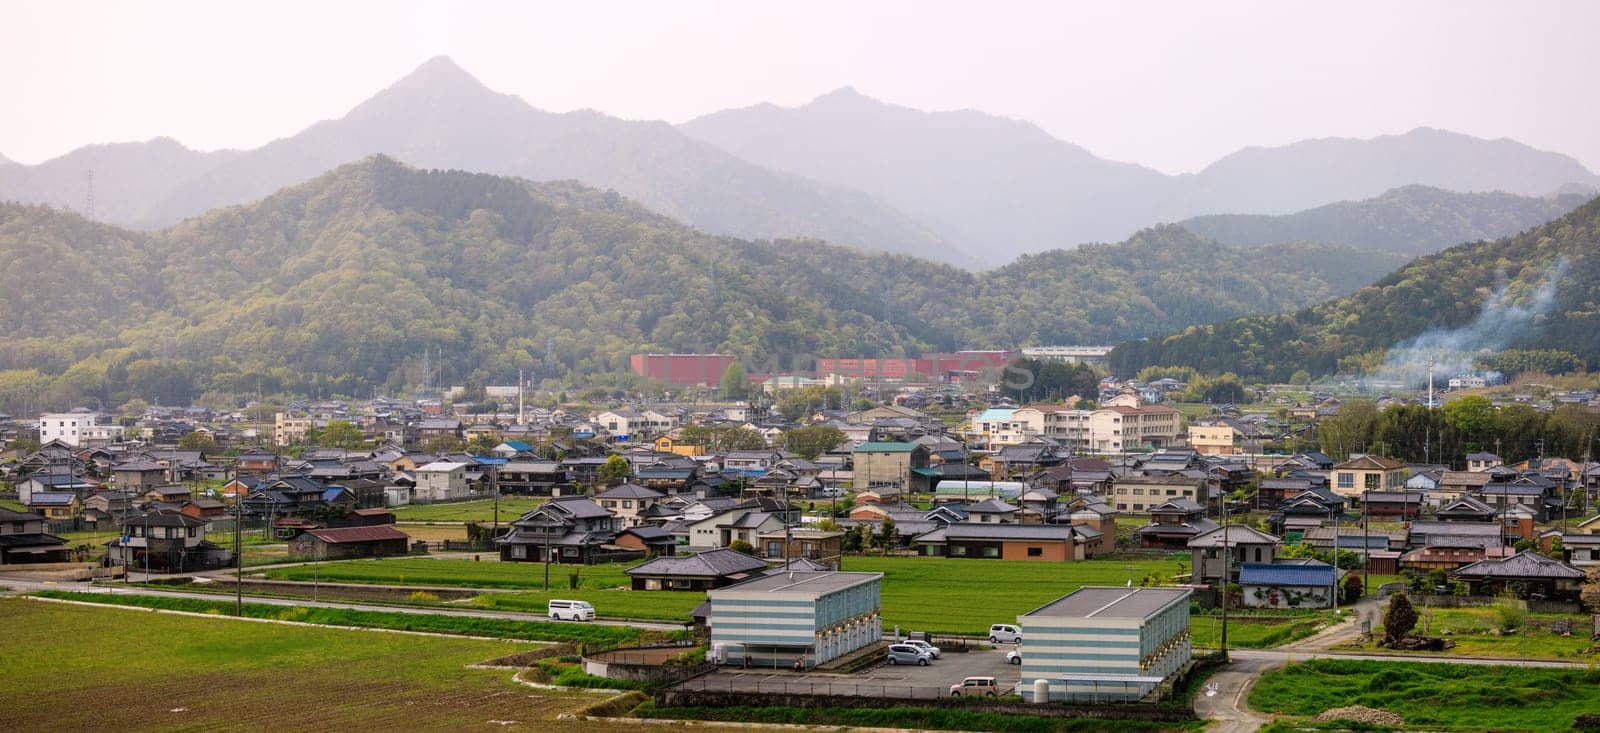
[1452, 351]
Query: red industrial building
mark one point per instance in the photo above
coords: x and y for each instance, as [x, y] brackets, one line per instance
[683, 370]
[933, 367]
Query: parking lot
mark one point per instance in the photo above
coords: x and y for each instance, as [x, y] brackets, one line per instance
[882, 680]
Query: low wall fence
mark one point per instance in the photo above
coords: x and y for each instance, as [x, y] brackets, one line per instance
[655, 664]
[1430, 600]
[718, 692]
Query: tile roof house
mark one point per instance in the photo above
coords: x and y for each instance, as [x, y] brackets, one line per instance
[698, 572]
[572, 529]
[1293, 584]
[1526, 574]
[24, 539]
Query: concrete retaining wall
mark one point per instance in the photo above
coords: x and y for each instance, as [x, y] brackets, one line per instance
[697, 698]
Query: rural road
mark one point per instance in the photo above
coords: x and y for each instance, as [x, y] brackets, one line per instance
[25, 585]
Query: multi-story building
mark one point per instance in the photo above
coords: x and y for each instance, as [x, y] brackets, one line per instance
[441, 481]
[1110, 429]
[888, 464]
[1220, 439]
[1102, 643]
[77, 428]
[290, 429]
[810, 617]
[1368, 473]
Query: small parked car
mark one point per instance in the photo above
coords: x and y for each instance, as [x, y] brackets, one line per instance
[907, 654]
[932, 650]
[975, 686]
[1014, 656]
[1005, 633]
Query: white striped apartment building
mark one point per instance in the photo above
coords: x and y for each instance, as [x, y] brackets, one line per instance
[773, 620]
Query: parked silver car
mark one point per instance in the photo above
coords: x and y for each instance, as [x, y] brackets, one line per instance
[907, 654]
[932, 650]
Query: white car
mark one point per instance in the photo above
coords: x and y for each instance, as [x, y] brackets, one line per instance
[1005, 633]
[1014, 656]
[570, 610]
[932, 650]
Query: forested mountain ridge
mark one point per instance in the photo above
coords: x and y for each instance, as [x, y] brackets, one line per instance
[1413, 220]
[439, 116]
[1004, 187]
[342, 283]
[1535, 290]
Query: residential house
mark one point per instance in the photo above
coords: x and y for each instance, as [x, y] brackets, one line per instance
[1218, 439]
[1173, 523]
[1483, 461]
[166, 542]
[1526, 574]
[258, 464]
[628, 502]
[1045, 542]
[701, 571]
[532, 478]
[1139, 492]
[887, 464]
[440, 481]
[653, 540]
[24, 538]
[1228, 549]
[571, 529]
[1368, 473]
[725, 528]
[55, 505]
[138, 475]
[992, 511]
[795, 543]
[1399, 504]
[380, 540]
[1289, 584]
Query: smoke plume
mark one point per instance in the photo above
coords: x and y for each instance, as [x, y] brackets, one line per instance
[1452, 351]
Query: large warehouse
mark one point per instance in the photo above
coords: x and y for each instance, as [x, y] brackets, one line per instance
[1106, 643]
[774, 620]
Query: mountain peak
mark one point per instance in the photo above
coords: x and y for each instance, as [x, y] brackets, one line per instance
[438, 72]
[844, 94]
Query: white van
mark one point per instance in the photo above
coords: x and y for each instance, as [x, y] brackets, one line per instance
[1005, 633]
[571, 610]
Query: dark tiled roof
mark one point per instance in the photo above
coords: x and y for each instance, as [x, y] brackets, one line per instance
[708, 564]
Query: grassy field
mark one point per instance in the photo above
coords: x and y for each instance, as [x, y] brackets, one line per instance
[477, 510]
[461, 573]
[938, 595]
[432, 623]
[108, 668]
[1453, 697]
[1256, 631]
[1473, 631]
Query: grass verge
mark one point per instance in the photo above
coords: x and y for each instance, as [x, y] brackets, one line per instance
[466, 626]
[1450, 697]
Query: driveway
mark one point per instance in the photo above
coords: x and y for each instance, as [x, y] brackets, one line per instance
[882, 680]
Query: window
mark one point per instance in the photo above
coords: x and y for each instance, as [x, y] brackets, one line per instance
[519, 552]
[1371, 482]
[1036, 552]
[1172, 492]
[958, 550]
[1138, 492]
[1122, 507]
[1347, 480]
[627, 504]
[991, 552]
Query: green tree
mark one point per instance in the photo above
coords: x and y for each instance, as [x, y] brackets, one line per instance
[1348, 431]
[196, 440]
[742, 546]
[1472, 414]
[887, 537]
[1399, 620]
[341, 434]
[616, 468]
[813, 440]
[1300, 378]
[735, 386]
[482, 443]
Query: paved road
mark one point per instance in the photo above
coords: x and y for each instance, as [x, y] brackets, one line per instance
[24, 585]
[1226, 696]
[883, 680]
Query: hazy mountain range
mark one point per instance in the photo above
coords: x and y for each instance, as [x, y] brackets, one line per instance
[962, 187]
[341, 283]
[1534, 293]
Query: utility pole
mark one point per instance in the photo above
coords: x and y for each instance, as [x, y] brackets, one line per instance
[238, 555]
[1226, 576]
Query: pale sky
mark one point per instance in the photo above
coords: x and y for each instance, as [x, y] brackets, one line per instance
[1171, 85]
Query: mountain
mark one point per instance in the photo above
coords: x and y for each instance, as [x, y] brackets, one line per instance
[1530, 292]
[125, 177]
[993, 185]
[1310, 173]
[1006, 187]
[340, 284]
[1414, 220]
[440, 116]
